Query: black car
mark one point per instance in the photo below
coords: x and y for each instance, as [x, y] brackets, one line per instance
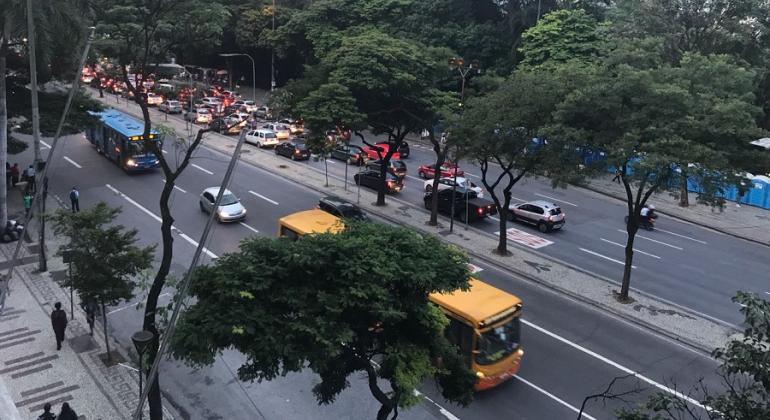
[403, 149]
[395, 167]
[350, 153]
[371, 179]
[296, 149]
[341, 208]
[467, 205]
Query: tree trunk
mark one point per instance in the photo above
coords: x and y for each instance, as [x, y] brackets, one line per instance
[632, 227]
[106, 337]
[684, 197]
[502, 240]
[440, 156]
[4, 117]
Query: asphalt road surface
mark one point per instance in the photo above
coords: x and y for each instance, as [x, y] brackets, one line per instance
[571, 350]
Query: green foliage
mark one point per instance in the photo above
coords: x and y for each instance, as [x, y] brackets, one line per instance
[564, 35]
[745, 371]
[331, 105]
[333, 303]
[51, 106]
[104, 257]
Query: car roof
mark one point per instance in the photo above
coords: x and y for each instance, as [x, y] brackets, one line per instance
[338, 201]
[215, 190]
[542, 203]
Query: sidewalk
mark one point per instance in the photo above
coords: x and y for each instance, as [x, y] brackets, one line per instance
[648, 311]
[747, 222]
[32, 371]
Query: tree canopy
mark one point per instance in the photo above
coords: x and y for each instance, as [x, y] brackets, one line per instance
[335, 304]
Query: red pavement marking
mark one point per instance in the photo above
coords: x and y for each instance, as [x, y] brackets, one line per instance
[527, 239]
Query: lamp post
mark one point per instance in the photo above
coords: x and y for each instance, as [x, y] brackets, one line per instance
[253, 70]
[272, 56]
[142, 340]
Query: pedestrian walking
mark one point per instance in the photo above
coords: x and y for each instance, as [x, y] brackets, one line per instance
[47, 414]
[75, 200]
[66, 413]
[14, 174]
[617, 176]
[59, 323]
[90, 309]
[27, 203]
[29, 176]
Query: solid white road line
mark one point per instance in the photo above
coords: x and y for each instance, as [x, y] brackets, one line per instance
[605, 257]
[72, 162]
[553, 397]
[175, 186]
[248, 227]
[767, 293]
[46, 145]
[653, 240]
[129, 367]
[263, 197]
[556, 199]
[159, 220]
[330, 161]
[164, 151]
[202, 169]
[618, 366]
[682, 236]
[635, 250]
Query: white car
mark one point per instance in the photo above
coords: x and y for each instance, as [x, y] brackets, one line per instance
[230, 208]
[281, 130]
[154, 99]
[262, 138]
[248, 106]
[448, 182]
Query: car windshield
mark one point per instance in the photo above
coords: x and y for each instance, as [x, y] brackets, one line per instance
[228, 199]
[299, 145]
[173, 103]
[203, 111]
[398, 164]
[499, 342]
[555, 211]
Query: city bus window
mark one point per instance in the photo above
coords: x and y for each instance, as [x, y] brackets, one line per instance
[461, 335]
[288, 233]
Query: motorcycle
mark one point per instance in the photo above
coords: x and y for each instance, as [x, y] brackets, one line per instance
[645, 222]
[12, 232]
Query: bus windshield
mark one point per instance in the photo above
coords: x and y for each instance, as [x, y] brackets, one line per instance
[498, 342]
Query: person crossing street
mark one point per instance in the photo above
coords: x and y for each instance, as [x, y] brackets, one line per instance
[75, 200]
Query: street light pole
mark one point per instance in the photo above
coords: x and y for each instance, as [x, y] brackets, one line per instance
[272, 56]
[253, 70]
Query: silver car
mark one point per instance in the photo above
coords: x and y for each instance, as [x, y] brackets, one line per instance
[171, 107]
[546, 216]
[230, 208]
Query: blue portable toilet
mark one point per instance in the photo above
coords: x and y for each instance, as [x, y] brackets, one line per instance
[759, 194]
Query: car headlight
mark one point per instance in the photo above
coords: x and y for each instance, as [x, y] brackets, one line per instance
[222, 213]
[131, 162]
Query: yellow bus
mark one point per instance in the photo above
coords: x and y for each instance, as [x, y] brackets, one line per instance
[297, 225]
[484, 321]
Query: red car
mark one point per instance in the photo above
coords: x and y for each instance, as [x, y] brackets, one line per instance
[448, 170]
[371, 153]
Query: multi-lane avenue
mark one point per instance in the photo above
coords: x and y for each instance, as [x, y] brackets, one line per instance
[571, 350]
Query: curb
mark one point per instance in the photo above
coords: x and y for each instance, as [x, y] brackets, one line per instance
[678, 217]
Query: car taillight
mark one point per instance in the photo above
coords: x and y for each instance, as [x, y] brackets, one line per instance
[480, 210]
[390, 184]
[296, 151]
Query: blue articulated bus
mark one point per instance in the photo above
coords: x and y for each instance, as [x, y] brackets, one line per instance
[119, 137]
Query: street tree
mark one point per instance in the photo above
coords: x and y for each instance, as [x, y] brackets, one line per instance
[504, 132]
[141, 35]
[105, 258]
[744, 372]
[331, 106]
[650, 118]
[737, 28]
[564, 35]
[337, 305]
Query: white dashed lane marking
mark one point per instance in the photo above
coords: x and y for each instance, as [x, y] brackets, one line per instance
[604, 256]
[72, 162]
[248, 227]
[263, 197]
[201, 169]
[653, 240]
[635, 250]
[682, 236]
[46, 145]
[556, 199]
[175, 187]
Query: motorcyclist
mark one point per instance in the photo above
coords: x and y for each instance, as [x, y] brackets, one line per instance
[651, 216]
